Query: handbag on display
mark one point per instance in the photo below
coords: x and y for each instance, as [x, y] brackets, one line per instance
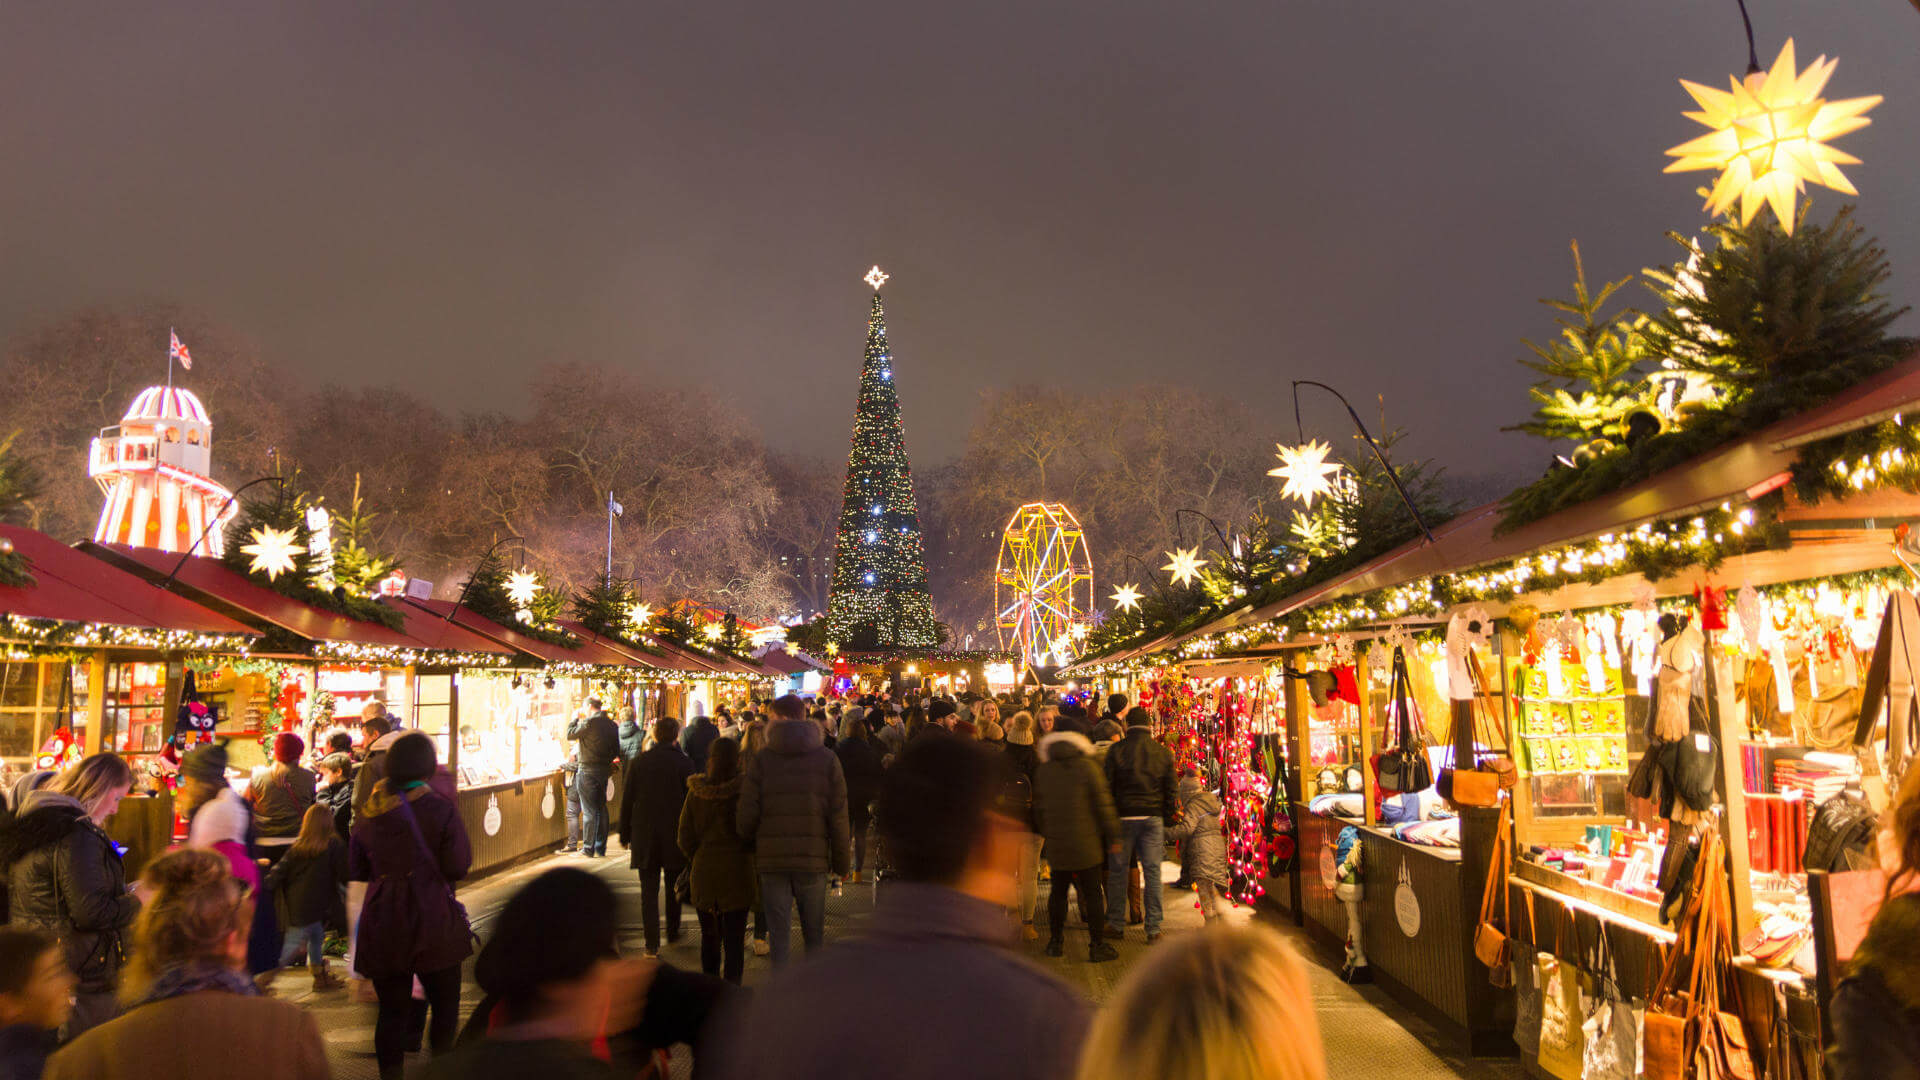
[1561, 1043]
[1611, 1030]
[1491, 944]
[1481, 784]
[1405, 767]
[1526, 985]
[1688, 1036]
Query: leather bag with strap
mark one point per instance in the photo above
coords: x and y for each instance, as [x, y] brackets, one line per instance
[1405, 767]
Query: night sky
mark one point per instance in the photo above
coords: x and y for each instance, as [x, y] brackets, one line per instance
[1091, 192]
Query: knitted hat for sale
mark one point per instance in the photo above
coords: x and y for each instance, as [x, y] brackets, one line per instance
[206, 763]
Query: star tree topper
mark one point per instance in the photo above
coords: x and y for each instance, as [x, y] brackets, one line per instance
[876, 278]
[1127, 597]
[273, 551]
[1185, 566]
[1768, 137]
[1306, 470]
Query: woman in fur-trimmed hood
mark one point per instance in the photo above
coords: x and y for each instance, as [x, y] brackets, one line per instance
[1876, 1008]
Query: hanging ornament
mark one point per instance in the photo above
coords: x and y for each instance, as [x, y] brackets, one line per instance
[792, 649]
[639, 615]
[1768, 137]
[522, 587]
[273, 551]
[1185, 566]
[1127, 597]
[833, 648]
[714, 631]
[1306, 470]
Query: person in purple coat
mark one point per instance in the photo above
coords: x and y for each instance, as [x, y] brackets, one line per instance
[410, 846]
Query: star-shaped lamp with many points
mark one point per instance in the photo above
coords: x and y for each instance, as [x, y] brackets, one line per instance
[1126, 597]
[1185, 566]
[1306, 470]
[1768, 137]
[522, 587]
[273, 552]
[792, 649]
[714, 631]
[639, 615]
[833, 648]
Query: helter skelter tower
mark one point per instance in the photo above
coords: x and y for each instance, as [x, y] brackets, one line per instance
[156, 471]
[879, 598]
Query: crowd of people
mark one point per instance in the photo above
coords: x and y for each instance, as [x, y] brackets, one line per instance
[957, 808]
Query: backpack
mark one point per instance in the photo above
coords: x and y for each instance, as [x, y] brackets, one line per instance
[1016, 797]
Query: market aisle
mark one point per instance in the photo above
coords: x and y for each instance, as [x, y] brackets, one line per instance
[1360, 1025]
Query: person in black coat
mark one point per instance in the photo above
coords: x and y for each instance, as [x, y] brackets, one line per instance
[599, 739]
[860, 761]
[650, 800]
[305, 885]
[697, 739]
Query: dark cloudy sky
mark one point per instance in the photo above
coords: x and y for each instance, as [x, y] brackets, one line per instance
[1073, 191]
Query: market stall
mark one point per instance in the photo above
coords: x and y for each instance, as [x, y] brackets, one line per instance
[90, 657]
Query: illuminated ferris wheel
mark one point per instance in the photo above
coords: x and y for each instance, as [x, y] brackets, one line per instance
[1042, 582]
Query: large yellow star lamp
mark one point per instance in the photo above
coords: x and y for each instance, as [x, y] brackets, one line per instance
[273, 552]
[1127, 597]
[1768, 138]
[522, 587]
[1306, 470]
[1185, 566]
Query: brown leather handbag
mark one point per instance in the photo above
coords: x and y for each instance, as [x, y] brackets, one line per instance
[1491, 945]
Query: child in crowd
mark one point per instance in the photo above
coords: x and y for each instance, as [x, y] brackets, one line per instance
[306, 885]
[1203, 850]
[36, 993]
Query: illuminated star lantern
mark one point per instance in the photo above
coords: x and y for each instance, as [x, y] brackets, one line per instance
[1306, 470]
[638, 615]
[833, 648]
[792, 649]
[1077, 631]
[273, 551]
[714, 631]
[876, 278]
[1768, 137]
[1127, 597]
[1185, 566]
[522, 587]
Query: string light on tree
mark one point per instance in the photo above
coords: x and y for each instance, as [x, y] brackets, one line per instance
[273, 551]
[1185, 566]
[1306, 470]
[1126, 597]
[1768, 137]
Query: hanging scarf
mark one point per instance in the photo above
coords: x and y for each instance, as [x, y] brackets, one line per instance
[196, 977]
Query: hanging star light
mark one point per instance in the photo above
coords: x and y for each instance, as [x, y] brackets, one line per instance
[1185, 566]
[1306, 470]
[714, 631]
[639, 615]
[522, 587]
[1127, 597]
[1768, 138]
[833, 648]
[1077, 631]
[273, 551]
[792, 649]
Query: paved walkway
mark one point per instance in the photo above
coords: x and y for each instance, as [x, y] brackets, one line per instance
[1361, 1027]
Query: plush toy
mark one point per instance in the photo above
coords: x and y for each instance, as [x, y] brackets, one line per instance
[59, 751]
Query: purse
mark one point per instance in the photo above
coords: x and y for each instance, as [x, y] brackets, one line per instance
[1491, 945]
[1481, 784]
[1404, 768]
[1610, 1034]
[456, 911]
[1561, 1043]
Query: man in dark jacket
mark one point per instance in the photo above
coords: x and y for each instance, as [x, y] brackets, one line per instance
[793, 806]
[1073, 812]
[696, 739]
[599, 742]
[656, 785]
[931, 991]
[1140, 775]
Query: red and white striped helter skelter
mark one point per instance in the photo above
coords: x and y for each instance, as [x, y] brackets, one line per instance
[155, 470]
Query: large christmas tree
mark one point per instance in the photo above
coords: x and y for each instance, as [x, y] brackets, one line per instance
[879, 598]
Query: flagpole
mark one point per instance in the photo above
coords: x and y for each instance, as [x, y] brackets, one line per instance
[170, 337]
[609, 535]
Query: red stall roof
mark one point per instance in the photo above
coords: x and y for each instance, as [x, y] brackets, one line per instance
[73, 587]
[596, 653]
[209, 581]
[665, 663]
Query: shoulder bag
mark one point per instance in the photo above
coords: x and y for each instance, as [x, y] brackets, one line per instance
[1491, 772]
[1526, 985]
[1491, 945]
[1611, 1030]
[1561, 1043]
[1404, 768]
[456, 911]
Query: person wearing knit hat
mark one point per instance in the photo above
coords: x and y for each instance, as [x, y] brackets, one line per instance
[280, 794]
[410, 845]
[942, 712]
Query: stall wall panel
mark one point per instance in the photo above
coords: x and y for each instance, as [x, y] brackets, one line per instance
[532, 817]
[1409, 887]
[1317, 901]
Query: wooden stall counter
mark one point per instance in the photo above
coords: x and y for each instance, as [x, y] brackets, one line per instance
[512, 820]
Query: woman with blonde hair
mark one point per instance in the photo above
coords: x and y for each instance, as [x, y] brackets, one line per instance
[188, 974]
[1220, 1004]
[64, 878]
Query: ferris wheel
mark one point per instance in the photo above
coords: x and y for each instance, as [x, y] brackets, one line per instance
[1042, 582]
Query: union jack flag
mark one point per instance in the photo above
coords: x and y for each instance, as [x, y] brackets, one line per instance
[177, 351]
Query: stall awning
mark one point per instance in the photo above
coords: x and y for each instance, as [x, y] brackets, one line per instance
[590, 656]
[776, 661]
[336, 637]
[661, 665]
[97, 604]
[1727, 472]
[711, 664]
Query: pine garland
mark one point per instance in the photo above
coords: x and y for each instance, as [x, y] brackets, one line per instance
[285, 510]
